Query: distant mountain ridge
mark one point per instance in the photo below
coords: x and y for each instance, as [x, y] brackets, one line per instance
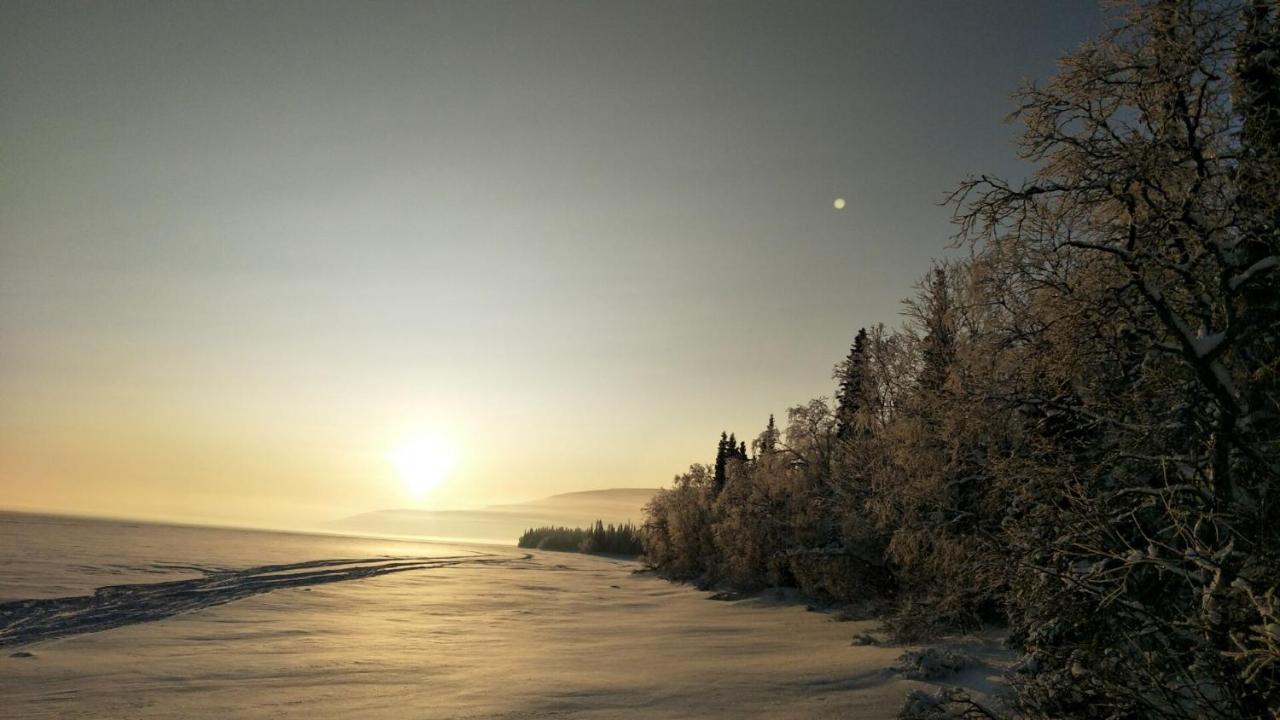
[504, 523]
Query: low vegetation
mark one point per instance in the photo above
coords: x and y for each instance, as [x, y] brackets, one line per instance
[1077, 431]
[604, 539]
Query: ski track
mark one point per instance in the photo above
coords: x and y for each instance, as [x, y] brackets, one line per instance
[23, 622]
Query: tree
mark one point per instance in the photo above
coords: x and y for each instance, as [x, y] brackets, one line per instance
[938, 348]
[722, 458]
[851, 394]
[1146, 476]
[1257, 101]
[767, 443]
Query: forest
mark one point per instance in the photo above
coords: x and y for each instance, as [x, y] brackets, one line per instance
[1075, 432]
[603, 539]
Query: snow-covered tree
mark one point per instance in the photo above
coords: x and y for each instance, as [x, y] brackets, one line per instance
[1147, 525]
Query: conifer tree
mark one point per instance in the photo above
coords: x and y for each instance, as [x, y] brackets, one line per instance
[850, 396]
[722, 457]
[767, 443]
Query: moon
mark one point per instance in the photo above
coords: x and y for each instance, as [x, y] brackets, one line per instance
[838, 204]
[423, 462]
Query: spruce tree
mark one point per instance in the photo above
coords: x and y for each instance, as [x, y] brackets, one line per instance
[768, 443]
[850, 396]
[722, 457]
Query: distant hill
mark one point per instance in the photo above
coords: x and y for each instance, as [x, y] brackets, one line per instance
[616, 503]
[505, 523]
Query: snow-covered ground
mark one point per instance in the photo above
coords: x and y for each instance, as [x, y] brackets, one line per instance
[501, 634]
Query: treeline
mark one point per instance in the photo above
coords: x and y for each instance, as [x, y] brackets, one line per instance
[608, 539]
[1077, 430]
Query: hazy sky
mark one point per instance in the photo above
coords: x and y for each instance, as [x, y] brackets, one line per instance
[246, 250]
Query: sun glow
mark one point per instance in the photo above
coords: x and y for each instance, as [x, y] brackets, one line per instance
[423, 461]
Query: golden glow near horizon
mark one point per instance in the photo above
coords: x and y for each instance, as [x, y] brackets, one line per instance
[423, 461]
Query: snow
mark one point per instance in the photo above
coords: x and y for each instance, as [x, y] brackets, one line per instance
[550, 635]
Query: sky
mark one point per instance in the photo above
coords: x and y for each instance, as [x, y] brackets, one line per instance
[250, 251]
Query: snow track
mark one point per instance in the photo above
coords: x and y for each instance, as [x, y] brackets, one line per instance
[27, 621]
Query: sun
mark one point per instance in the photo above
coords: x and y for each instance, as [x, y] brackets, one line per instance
[423, 462]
